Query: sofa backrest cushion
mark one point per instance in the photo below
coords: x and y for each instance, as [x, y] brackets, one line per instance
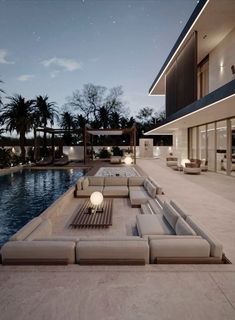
[179, 209]
[26, 230]
[85, 184]
[96, 181]
[170, 214]
[216, 248]
[182, 228]
[79, 183]
[136, 181]
[115, 181]
[150, 188]
[43, 230]
[159, 188]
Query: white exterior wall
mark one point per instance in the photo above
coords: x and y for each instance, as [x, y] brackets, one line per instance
[76, 152]
[220, 61]
[180, 144]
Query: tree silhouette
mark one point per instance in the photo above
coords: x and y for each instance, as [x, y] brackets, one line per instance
[17, 115]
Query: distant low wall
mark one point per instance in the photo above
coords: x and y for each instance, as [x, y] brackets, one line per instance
[76, 152]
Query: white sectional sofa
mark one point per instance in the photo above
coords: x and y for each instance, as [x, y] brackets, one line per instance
[176, 237]
[167, 234]
[35, 244]
[139, 189]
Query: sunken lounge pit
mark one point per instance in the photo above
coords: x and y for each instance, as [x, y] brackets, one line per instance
[131, 225]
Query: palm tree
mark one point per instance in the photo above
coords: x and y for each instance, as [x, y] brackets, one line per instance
[67, 122]
[45, 112]
[17, 115]
[1, 91]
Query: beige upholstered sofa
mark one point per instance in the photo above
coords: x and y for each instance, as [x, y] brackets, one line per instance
[171, 161]
[166, 235]
[35, 244]
[115, 159]
[26, 246]
[139, 189]
[176, 237]
[193, 167]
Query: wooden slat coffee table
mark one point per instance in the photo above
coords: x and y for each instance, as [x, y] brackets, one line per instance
[96, 219]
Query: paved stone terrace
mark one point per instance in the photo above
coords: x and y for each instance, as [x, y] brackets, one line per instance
[143, 292]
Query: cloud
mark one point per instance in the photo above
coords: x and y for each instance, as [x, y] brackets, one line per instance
[26, 77]
[67, 64]
[3, 57]
[54, 73]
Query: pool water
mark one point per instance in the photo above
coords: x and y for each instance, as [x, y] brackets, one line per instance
[26, 194]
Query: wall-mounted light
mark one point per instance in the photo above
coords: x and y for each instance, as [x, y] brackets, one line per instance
[233, 69]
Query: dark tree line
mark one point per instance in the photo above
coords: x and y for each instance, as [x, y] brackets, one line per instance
[93, 106]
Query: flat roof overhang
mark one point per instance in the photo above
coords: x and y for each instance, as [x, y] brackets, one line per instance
[217, 105]
[213, 20]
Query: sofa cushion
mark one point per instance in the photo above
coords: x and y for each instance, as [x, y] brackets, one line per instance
[216, 248]
[136, 181]
[96, 181]
[182, 228]
[116, 191]
[115, 251]
[171, 236]
[157, 185]
[31, 252]
[88, 191]
[27, 229]
[85, 183]
[179, 209]
[43, 230]
[170, 214]
[115, 181]
[79, 183]
[179, 248]
[150, 188]
[138, 197]
[150, 224]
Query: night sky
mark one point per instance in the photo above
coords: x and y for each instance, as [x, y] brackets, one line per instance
[54, 47]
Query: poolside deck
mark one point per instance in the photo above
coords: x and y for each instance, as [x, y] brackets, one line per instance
[143, 292]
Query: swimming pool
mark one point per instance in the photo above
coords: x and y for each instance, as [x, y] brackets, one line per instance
[26, 194]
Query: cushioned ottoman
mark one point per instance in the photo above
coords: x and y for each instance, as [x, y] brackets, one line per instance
[38, 252]
[138, 197]
[123, 251]
[186, 249]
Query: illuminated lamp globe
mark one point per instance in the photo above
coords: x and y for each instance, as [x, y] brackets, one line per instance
[128, 160]
[183, 161]
[96, 198]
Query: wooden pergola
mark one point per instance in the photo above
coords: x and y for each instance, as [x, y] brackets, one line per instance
[108, 132]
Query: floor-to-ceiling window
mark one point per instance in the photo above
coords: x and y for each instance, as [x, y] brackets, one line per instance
[214, 142]
[233, 146]
[211, 146]
[221, 146]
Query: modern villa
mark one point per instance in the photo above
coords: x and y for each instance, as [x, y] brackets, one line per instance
[122, 235]
[198, 82]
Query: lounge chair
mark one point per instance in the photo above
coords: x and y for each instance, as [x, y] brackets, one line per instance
[44, 162]
[62, 161]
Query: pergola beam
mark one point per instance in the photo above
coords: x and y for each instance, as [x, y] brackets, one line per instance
[131, 131]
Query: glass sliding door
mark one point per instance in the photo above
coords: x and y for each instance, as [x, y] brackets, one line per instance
[233, 147]
[221, 147]
[211, 146]
[202, 143]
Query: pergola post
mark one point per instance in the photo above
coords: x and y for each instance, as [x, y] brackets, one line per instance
[53, 145]
[134, 138]
[85, 142]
